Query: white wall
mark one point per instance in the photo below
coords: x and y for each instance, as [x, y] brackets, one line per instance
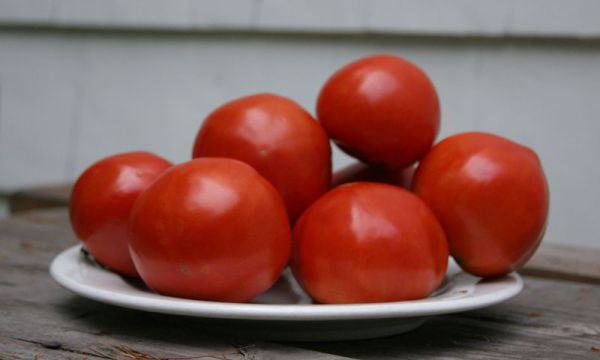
[70, 97]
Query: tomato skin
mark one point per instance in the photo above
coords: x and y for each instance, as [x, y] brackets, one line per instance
[211, 229]
[101, 202]
[278, 138]
[368, 242]
[362, 172]
[491, 197]
[380, 109]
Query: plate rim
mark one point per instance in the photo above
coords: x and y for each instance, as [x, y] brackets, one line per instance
[279, 312]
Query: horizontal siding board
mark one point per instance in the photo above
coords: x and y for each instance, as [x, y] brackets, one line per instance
[529, 18]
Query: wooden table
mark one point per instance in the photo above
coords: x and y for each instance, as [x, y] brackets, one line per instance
[39, 197]
[556, 316]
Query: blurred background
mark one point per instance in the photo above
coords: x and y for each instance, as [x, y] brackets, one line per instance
[80, 80]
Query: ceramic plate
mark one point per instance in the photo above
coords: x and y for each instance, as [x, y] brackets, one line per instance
[285, 312]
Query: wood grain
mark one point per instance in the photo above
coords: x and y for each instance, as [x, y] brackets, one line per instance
[549, 319]
[565, 262]
[41, 319]
[39, 197]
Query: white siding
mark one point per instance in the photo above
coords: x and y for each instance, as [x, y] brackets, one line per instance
[560, 18]
[70, 97]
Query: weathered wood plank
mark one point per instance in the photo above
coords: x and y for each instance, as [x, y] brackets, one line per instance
[565, 262]
[25, 349]
[550, 319]
[39, 197]
[39, 318]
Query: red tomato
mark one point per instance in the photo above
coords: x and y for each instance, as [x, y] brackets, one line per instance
[380, 109]
[102, 200]
[211, 229]
[369, 242]
[491, 197]
[278, 138]
[363, 172]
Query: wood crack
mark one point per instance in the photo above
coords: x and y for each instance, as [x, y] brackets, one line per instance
[54, 345]
[129, 353]
[245, 351]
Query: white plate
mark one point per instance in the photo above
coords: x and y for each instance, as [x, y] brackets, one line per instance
[285, 312]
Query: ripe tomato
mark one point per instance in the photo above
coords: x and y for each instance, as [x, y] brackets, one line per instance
[276, 137]
[211, 229]
[380, 109]
[101, 202]
[368, 242]
[491, 197]
[363, 172]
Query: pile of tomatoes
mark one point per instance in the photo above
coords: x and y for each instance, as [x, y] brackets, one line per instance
[259, 195]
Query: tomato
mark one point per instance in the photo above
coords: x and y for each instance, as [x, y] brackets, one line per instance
[491, 197]
[380, 109]
[101, 202]
[210, 229]
[278, 138]
[368, 242]
[363, 172]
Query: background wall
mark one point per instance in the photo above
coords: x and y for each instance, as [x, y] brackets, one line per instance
[81, 80]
